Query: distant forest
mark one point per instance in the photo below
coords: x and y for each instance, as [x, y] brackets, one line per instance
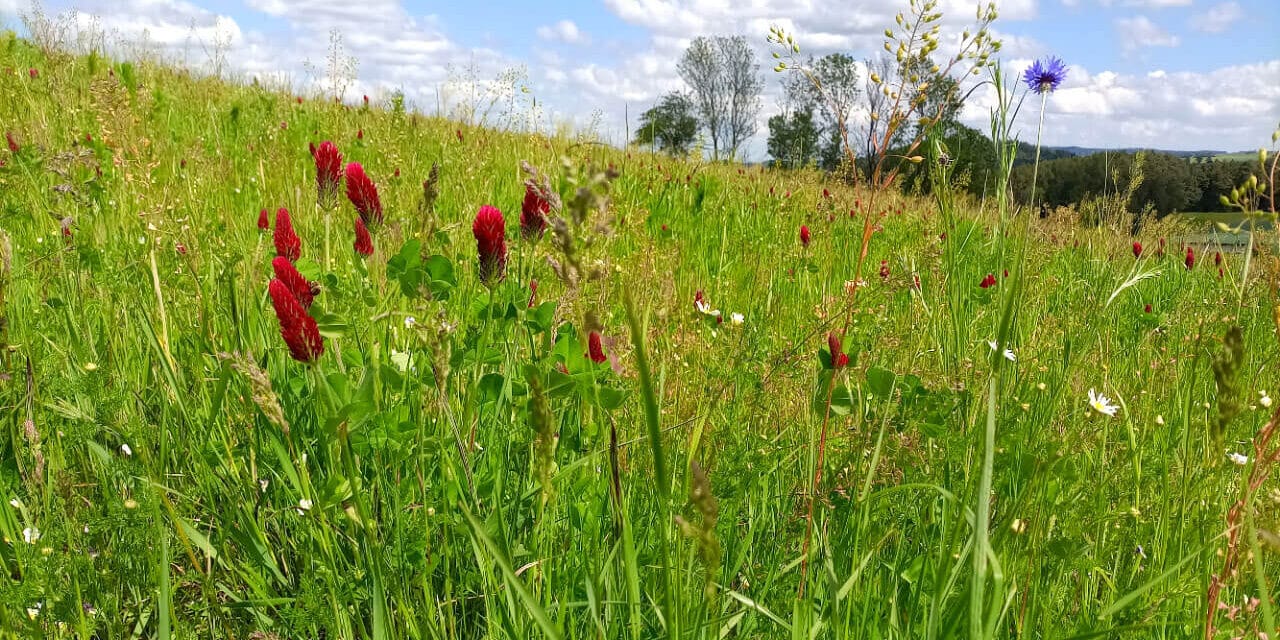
[1171, 183]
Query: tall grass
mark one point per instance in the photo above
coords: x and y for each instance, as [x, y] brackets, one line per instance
[169, 470]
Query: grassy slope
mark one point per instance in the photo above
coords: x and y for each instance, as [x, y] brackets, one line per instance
[198, 531]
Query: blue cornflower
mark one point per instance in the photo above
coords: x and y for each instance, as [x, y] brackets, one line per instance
[1045, 75]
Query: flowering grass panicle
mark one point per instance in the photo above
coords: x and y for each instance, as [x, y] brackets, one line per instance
[363, 195]
[490, 231]
[533, 213]
[328, 172]
[364, 243]
[287, 242]
[302, 289]
[1045, 75]
[298, 329]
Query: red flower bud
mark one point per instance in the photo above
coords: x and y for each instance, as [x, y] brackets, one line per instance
[363, 244]
[1147, 308]
[328, 172]
[884, 269]
[303, 291]
[595, 350]
[298, 329]
[1137, 249]
[264, 221]
[1217, 258]
[288, 244]
[988, 281]
[363, 195]
[13, 144]
[804, 235]
[839, 359]
[533, 213]
[1190, 261]
[490, 231]
[533, 293]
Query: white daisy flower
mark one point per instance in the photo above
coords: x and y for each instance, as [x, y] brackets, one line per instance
[1101, 404]
[1238, 458]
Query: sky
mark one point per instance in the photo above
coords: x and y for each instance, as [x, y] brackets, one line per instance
[1169, 74]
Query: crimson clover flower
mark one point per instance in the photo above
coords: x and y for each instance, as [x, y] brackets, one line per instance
[489, 230]
[298, 329]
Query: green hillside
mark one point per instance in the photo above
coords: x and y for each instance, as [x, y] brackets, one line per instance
[467, 457]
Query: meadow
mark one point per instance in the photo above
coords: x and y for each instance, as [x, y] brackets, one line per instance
[701, 422]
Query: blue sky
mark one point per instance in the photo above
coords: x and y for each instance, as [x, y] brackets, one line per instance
[1159, 73]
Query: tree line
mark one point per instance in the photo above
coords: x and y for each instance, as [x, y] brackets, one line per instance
[722, 101]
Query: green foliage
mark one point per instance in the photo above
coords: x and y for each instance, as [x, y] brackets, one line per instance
[793, 139]
[669, 125]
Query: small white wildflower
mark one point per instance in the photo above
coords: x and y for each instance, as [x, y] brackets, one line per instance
[409, 321]
[1159, 419]
[1265, 400]
[263, 483]
[1008, 353]
[736, 318]
[39, 239]
[30, 535]
[142, 240]
[33, 612]
[1238, 458]
[124, 448]
[151, 226]
[15, 503]
[1101, 404]
[304, 505]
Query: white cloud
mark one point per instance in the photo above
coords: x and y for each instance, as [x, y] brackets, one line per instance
[1217, 18]
[563, 31]
[1139, 32]
[1231, 109]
